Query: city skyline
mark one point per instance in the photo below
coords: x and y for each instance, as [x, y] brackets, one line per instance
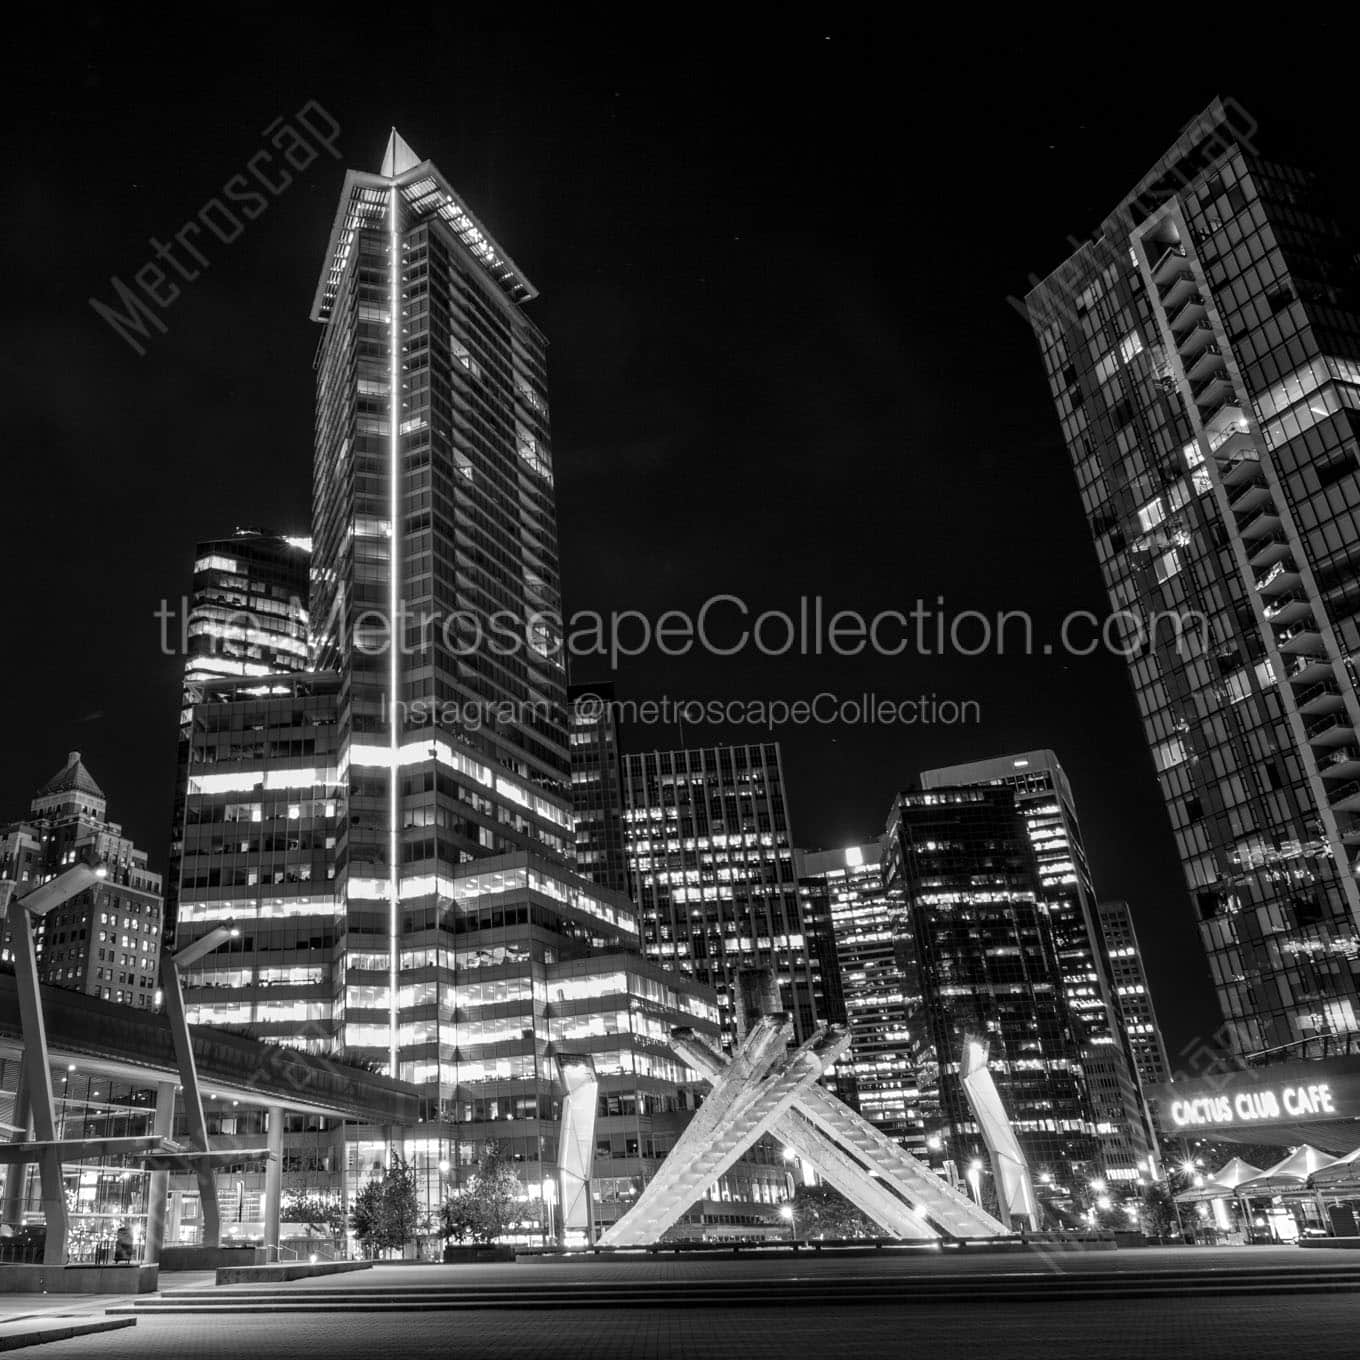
[840, 783]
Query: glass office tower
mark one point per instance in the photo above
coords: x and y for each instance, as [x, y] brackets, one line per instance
[1203, 352]
[392, 832]
[711, 863]
[1135, 996]
[246, 616]
[1043, 796]
[983, 962]
[597, 786]
[878, 1075]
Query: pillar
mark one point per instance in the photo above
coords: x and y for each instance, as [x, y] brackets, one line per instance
[273, 1183]
[158, 1187]
[15, 1175]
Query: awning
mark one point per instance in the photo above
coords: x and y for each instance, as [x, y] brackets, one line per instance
[1290, 1174]
[1342, 1175]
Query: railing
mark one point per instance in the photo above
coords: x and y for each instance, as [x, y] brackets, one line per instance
[1319, 1046]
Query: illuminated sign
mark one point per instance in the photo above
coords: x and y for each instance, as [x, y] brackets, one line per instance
[1246, 1107]
[1290, 1093]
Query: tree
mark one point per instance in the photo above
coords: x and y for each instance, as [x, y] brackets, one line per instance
[487, 1204]
[1157, 1212]
[820, 1211]
[322, 1214]
[387, 1211]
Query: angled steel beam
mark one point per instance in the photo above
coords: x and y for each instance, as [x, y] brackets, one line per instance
[859, 1159]
[750, 1104]
[576, 1142]
[1010, 1170]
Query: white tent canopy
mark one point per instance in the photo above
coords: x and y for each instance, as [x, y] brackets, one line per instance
[1291, 1173]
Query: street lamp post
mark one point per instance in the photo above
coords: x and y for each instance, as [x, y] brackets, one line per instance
[19, 914]
[789, 1215]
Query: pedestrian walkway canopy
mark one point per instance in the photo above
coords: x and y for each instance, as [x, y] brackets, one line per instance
[1290, 1173]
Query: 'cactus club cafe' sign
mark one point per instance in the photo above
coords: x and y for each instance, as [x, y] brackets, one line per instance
[1298, 1093]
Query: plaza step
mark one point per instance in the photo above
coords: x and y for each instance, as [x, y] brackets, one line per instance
[808, 1290]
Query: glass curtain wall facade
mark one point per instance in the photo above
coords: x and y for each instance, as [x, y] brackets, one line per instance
[711, 864]
[597, 786]
[1135, 996]
[1043, 796]
[1203, 353]
[878, 1075]
[247, 615]
[983, 962]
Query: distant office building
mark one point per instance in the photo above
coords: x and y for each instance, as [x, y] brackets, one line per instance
[1135, 997]
[878, 1075]
[596, 786]
[985, 964]
[1043, 796]
[246, 616]
[107, 940]
[711, 863]
[1203, 353]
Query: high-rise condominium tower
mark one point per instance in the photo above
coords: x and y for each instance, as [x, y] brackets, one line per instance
[1203, 350]
[1043, 797]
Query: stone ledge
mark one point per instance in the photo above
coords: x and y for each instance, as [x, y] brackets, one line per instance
[280, 1272]
[119, 1279]
[32, 1332]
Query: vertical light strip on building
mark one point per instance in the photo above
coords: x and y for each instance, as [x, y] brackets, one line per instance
[393, 665]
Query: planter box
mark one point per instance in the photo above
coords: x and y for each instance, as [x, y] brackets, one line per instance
[454, 1255]
[119, 1279]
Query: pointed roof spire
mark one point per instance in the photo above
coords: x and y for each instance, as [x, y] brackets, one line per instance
[73, 777]
[398, 158]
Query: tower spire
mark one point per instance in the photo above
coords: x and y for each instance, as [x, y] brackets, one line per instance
[398, 158]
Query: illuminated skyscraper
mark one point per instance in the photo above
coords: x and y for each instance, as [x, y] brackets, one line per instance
[878, 1075]
[106, 940]
[1135, 996]
[1203, 352]
[1043, 796]
[711, 864]
[983, 963]
[247, 616]
[392, 832]
[597, 787]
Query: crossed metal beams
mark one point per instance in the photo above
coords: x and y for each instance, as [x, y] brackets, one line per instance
[766, 1088]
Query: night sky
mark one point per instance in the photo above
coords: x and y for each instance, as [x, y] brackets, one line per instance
[774, 267]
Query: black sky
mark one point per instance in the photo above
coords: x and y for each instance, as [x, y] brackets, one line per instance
[774, 265]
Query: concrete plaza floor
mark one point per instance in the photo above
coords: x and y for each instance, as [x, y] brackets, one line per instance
[1259, 1325]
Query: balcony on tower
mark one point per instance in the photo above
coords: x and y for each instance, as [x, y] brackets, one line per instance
[1302, 637]
[1189, 312]
[1329, 729]
[1195, 339]
[1308, 669]
[1236, 455]
[1248, 501]
[1180, 284]
[1169, 264]
[1290, 608]
[1281, 579]
[1267, 551]
[1266, 522]
[1343, 763]
[1347, 799]
[1320, 697]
